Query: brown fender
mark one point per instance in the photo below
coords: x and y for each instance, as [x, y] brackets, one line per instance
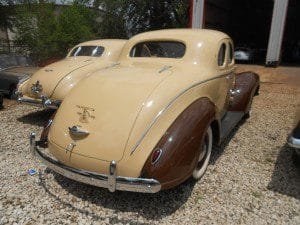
[180, 145]
[246, 86]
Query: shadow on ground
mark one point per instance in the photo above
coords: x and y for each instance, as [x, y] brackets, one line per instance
[38, 118]
[150, 206]
[218, 150]
[286, 175]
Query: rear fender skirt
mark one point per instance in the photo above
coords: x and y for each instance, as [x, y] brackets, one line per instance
[246, 86]
[180, 145]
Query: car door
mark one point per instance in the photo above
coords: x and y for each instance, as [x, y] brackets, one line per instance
[230, 77]
[222, 67]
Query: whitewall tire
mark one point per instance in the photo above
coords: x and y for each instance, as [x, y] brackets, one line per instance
[204, 157]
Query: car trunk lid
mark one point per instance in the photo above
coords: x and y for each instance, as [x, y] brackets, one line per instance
[50, 76]
[106, 107]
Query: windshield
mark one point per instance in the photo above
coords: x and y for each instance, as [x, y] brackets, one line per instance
[160, 49]
[95, 51]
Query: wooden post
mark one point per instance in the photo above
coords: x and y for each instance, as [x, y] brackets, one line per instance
[197, 11]
[276, 32]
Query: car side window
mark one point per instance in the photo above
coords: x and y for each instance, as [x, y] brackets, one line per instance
[221, 55]
[230, 58]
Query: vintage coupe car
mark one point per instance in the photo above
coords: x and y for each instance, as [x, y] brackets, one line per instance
[14, 71]
[149, 122]
[50, 85]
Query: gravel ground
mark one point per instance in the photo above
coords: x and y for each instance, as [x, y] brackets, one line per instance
[252, 178]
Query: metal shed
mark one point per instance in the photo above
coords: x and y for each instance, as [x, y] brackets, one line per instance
[220, 14]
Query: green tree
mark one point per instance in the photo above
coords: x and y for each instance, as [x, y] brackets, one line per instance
[6, 14]
[35, 27]
[112, 22]
[128, 17]
[6, 17]
[76, 23]
[48, 31]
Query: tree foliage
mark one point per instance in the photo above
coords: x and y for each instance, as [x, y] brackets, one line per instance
[124, 18]
[49, 31]
[76, 23]
[6, 14]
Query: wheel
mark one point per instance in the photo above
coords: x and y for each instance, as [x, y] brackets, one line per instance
[204, 156]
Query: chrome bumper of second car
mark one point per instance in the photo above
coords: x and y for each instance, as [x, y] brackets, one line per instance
[43, 102]
[110, 181]
[294, 142]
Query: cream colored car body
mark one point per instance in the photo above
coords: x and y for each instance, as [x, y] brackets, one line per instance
[58, 78]
[130, 106]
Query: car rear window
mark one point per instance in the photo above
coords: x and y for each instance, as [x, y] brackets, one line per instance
[95, 51]
[158, 49]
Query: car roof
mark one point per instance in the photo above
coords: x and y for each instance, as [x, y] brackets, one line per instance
[194, 39]
[104, 42]
[184, 34]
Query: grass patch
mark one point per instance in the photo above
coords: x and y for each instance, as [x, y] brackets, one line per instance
[256, 194]
[269, 160]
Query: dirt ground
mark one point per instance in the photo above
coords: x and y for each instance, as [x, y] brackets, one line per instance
[280, 75]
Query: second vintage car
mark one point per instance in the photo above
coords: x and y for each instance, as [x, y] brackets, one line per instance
[14, 71]
[294, 137]
[50, 85]
[149, 123]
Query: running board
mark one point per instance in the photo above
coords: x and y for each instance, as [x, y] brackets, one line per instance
[229, 121]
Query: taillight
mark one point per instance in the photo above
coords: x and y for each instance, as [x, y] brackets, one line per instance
[156, 155]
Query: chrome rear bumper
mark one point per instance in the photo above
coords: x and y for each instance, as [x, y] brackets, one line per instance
[111, 181]
[295, 143]
[43, 102]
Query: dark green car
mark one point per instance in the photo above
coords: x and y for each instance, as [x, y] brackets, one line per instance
[14, 70]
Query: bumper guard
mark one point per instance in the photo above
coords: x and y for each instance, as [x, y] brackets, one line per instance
[294, 143]
[111, 181]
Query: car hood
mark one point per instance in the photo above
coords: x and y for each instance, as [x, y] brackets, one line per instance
[50, 76]
[17, 73]
[107, 107]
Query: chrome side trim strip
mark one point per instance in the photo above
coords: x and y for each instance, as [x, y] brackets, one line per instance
[112, 65]
[169, 105]
[11, 67]
[110, 181]
[163, 69]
